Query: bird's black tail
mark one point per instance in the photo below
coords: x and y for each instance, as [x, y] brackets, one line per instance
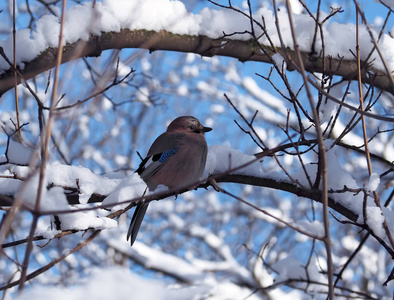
[136, 221]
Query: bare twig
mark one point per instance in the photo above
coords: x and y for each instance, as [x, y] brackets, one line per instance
[367, 156]
[44, 154]
[322, 161]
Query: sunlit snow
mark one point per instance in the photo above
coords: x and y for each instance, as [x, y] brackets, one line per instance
[114, 15]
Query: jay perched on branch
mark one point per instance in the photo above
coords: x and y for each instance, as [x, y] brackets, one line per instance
[176, 159]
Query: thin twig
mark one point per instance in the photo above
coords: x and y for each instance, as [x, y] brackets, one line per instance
[322, 159]
[52, 263]
[364, 129]
[15, 73]
[44, 154]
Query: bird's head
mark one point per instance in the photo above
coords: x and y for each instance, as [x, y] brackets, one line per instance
[188, 124]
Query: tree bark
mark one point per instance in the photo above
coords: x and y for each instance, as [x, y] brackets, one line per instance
[243, 50]
[316, 195]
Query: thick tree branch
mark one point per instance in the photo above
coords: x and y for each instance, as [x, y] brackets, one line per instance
[243, 50]
[316, 195]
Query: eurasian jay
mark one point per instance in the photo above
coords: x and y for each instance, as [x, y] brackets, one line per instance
[176, 159]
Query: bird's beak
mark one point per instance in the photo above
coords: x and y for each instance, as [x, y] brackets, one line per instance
[206, 129]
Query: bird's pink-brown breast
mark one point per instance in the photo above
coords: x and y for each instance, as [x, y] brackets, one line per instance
[186, 166]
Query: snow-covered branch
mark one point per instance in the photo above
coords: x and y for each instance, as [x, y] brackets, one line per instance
[241, 49]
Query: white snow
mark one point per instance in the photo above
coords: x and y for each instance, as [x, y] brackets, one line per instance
[265, 97]
[156, 259]
[119, 283]
[87, 182]
[315, 228]
[85, 220]
[337, 179]
[280, 62]
[375, 219]
[54, 199]
[373, 182]
[109, 283]
[223, 159]
[19, 154]
[142, 95]
[291, 268]
[128, 188]
[9, 186]
[114, 15]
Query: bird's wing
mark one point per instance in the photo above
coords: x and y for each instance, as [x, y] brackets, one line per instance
[151, 164]
[164, 147]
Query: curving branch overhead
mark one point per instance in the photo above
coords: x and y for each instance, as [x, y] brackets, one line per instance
[243, 50]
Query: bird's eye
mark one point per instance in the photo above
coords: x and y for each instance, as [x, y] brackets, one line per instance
[191, 127]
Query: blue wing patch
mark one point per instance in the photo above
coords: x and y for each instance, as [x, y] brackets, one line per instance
[151, 164]
[167, 154]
